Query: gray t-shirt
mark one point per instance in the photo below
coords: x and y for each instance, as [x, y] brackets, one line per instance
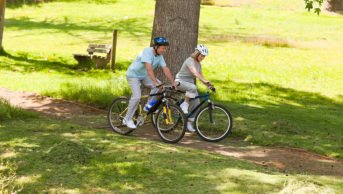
[185, 74]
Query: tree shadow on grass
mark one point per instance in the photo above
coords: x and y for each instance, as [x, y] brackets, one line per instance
[24, 64]
[272, 115]
[99, 161]
[135, 27]
[13, 4]
[27, 64]
[215, 36]
[251, 121]
[266, 115]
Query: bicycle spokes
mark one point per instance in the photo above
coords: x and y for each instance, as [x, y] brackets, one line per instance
[116, 114]
[210, 110]
[170, 123]
[213, 124]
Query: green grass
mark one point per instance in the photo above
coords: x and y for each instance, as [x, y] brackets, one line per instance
[277, 68]
[8, 112]
[44, 155]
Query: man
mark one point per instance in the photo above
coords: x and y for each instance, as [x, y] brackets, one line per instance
[141, 70]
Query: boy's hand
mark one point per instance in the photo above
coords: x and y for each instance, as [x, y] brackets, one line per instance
[159, 86]
[208, 83]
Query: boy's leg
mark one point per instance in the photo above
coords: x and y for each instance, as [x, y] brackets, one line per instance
[134, 84]
[147, 82]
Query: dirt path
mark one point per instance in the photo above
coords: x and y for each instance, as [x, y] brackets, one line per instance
[292, 160]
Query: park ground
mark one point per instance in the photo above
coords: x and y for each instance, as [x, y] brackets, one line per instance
[277, 68]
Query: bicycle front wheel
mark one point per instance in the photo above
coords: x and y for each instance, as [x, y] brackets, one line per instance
[213, 123]
[153, 115]
[116, 114]
[171, 123]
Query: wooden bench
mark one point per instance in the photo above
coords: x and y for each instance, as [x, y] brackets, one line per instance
[100, 61]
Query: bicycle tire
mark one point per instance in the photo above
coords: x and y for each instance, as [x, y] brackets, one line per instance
[219, 129]
[171, 132]
[116, 114]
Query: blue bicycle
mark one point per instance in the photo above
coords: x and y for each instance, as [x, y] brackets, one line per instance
[213, 122]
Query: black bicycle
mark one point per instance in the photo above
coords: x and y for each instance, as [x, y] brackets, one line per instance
[170, 122]
[213, 122]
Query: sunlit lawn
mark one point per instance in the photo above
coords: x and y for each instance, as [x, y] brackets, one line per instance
[44, 155]
[277, 70]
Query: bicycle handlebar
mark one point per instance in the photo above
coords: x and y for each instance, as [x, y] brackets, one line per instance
[172, 88]
[165, 87]
[212, 88]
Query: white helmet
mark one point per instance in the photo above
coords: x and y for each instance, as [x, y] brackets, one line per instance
[202, 49]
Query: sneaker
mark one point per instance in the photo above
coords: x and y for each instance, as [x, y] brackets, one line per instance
[190, 127]
[129, 124]
[184, 107]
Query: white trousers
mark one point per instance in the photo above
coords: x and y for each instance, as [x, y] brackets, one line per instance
[135, 87]
[191, 92]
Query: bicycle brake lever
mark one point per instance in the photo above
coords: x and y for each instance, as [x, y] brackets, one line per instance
[160, 85]
[212, 88]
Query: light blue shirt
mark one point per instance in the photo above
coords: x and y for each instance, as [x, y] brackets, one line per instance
[137, 68]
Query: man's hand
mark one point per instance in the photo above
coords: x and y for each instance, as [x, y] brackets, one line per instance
[174, 85]
[159, 86]
[169, 76]
[207, 83]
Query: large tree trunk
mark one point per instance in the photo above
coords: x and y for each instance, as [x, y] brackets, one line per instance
[2, 20]
[178, 21]
[333, 5]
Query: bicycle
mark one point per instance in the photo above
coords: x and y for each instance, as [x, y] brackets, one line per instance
[212, 122]
[167, 111]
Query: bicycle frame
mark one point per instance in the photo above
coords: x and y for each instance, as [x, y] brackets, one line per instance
[206, 97]
[152, 109]
[171, 130]
[145, 116]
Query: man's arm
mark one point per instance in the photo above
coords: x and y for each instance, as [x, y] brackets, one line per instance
[166, 72]
[151, 73]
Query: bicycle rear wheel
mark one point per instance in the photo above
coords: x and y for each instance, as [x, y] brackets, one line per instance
[214, 129]
[116, 114]
[170, 123]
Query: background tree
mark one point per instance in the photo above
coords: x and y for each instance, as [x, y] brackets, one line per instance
[333, 5]
[2, 20]
[178, 21]
[329, 5]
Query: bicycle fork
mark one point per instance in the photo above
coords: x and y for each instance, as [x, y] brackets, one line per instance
[167, 114]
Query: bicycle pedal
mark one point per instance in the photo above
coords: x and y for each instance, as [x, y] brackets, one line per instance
[140, 121]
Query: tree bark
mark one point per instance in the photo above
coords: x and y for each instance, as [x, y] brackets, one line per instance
[178, 21]
[2, 20]
[333, 5]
